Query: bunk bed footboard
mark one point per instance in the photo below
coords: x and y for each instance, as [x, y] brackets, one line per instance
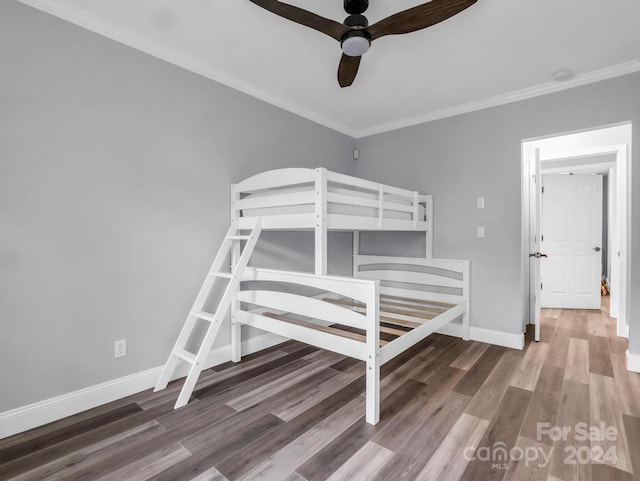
[297, 306]
[426, 294]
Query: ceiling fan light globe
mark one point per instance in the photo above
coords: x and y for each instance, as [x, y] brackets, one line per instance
[355, 46]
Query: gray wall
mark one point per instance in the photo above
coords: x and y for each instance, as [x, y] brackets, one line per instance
[115, 170]
[479, 154]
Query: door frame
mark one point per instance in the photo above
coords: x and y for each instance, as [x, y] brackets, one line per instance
[622, 168]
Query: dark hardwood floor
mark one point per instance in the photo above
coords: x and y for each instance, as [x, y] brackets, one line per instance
[562, 409]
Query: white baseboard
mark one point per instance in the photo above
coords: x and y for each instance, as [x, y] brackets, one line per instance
[33, 415]
[622, 329]
[633, 362]
[498, 338]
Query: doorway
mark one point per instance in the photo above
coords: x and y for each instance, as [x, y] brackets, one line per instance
[604, 151]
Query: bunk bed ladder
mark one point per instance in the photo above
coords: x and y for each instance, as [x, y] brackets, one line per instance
[179, 353]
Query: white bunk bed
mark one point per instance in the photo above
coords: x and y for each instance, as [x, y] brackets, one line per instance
[389, 305]
[321, 200]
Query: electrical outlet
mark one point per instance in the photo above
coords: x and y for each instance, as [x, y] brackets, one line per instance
[120, 348]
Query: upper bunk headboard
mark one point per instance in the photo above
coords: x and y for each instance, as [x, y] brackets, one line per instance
[297, 198]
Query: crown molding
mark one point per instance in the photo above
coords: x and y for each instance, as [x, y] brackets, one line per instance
[84, 19]
[531, 92]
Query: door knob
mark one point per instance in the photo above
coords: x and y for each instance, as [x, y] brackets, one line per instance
[597, 249]
[537, 255]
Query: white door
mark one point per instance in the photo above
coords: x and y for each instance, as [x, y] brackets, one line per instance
[571, 239]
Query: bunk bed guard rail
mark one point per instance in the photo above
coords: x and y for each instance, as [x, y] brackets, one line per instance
[302, 198]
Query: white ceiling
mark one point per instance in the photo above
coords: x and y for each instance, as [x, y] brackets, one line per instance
[495, 52]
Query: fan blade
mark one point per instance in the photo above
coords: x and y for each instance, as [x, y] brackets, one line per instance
[419, 17]
[303, 17]
[348, 70]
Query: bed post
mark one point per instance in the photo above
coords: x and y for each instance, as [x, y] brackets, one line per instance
[321, 222]
[236, 328]
[356, 252]
[373, 355]
[428, 210]
[466, 317]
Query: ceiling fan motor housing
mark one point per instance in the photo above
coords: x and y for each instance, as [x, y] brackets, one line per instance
[355, 7]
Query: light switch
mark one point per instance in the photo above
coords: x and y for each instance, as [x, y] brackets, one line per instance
[480, 231]
[480, 202]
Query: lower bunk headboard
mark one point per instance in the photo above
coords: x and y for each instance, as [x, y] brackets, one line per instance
[403, 279]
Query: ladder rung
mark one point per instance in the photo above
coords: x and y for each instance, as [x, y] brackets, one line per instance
[185, 355]
[226, 275]
[205, 316]
[239, 237]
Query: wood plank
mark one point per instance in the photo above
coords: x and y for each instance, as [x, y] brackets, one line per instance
[45, 440]
[255, 396]
[235, 378]
[291, 408]
[529, 469]
[405, 425]
[416, 450]
[503, 429]
[605, 408]
[328, 459]
[448, 463]
[211, 474]
[248, 458]
[527, 373]
[69, 465]
[578, 361]
[149, 465]
[596, 325]
[559, 347]
[474, 378]
[124, 454]
[470, 356]
[364, 464]
[608, 473]
[573, 410]
[485, 403]
[628, 396]
[70, 445]
[218, 447]
[632, 433]
[303, 447]
[545, 403]
[599, 356]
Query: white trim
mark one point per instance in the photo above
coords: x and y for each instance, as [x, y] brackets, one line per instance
[527, 93]
[125, 36]
[633, 362]
[37, 414]
[622, 329]
[489, 336]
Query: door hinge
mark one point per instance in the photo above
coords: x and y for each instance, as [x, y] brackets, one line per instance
[541, 286]
[543, 189]
[542, 238]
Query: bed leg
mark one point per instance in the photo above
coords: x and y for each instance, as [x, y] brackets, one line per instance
[373, 390]
[466, 326]
[236, 340]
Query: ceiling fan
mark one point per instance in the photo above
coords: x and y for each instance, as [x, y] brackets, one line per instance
[355, 34]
